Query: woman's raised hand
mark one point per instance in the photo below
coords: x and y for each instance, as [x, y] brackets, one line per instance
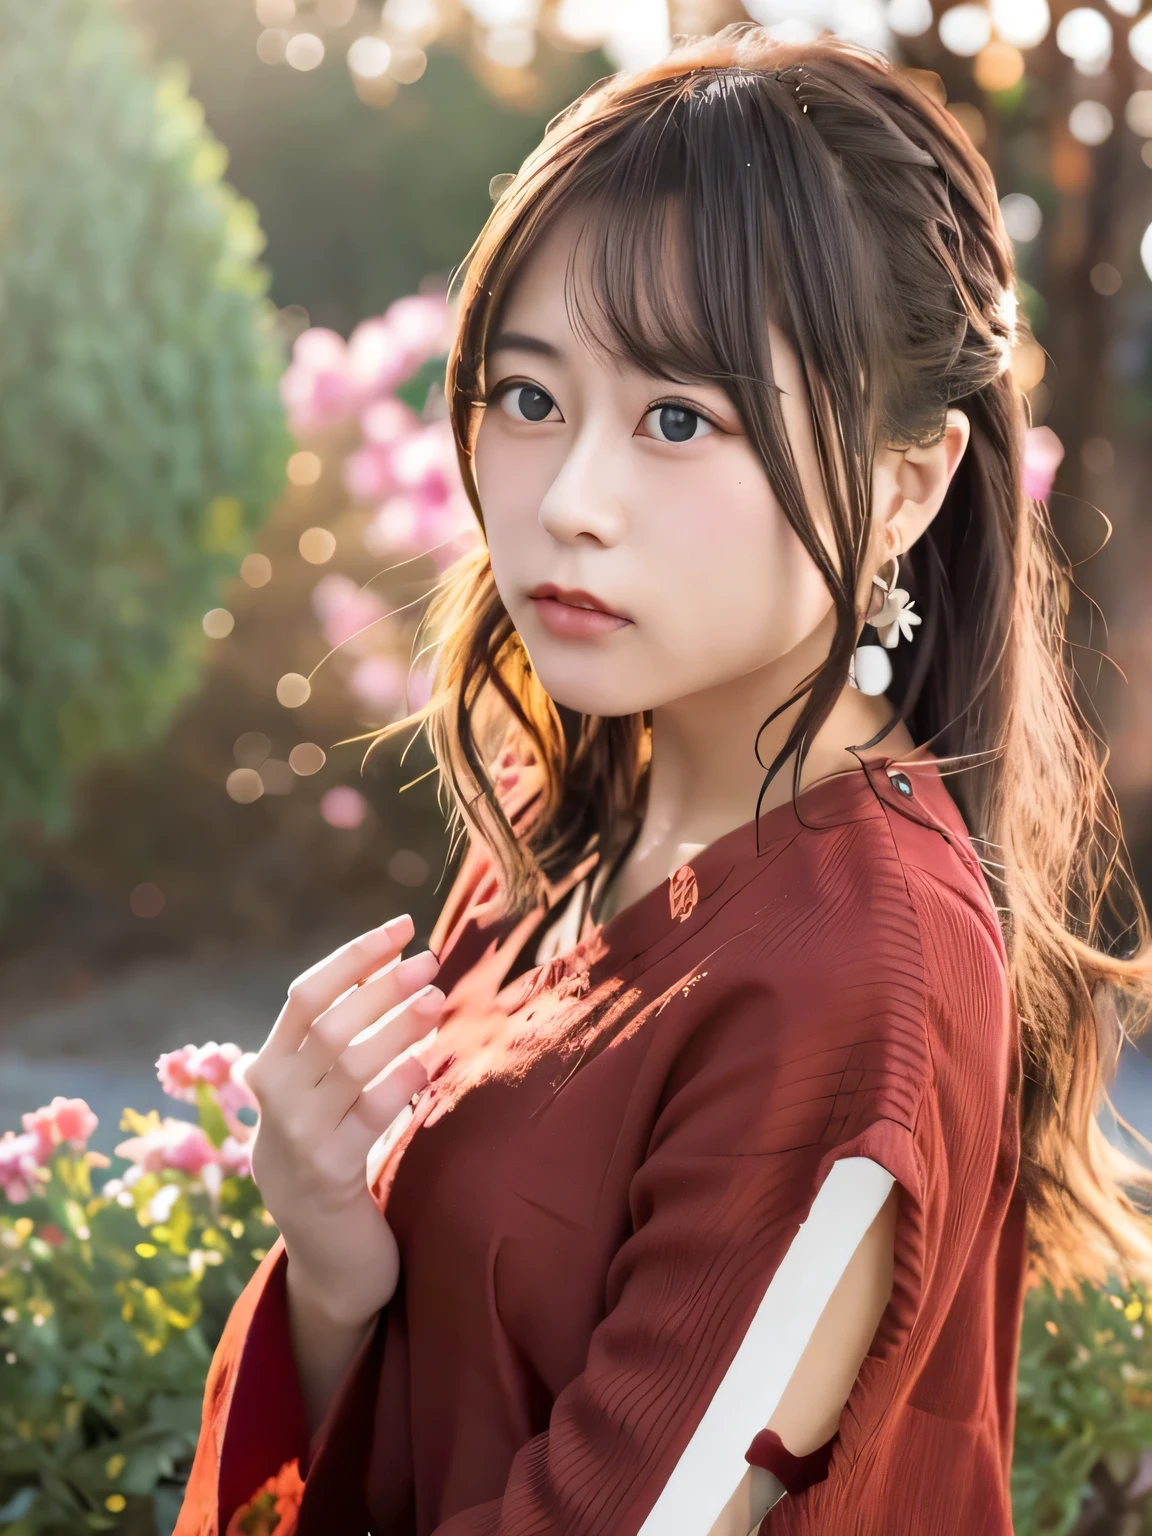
[328, 1085]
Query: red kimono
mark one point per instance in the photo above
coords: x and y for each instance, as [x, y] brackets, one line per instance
[613, 1154]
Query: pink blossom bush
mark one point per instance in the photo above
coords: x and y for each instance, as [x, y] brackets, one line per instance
[219, 1067]
[174, 1144]
[347, 611]
[20, 1168]
[64, 1120]
[24, 1157]
[329, 380]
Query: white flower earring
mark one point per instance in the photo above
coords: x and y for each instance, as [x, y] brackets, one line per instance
[870, 671]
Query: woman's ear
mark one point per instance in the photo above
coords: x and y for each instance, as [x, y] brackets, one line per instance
[909, 484]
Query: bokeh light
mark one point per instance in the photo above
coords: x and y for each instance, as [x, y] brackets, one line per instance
[1029, 364]
[306, 758]
[146, 900]
[336, 13]
[369, 57]
[1106, 279]
[1084, 35]
[1140, 42]
[407, 867]
[971, 119]
[1138, 113]
[965, 29]
[407, 65]
[1097, 455]
[244, 785]
[343, 807]
[1090, 122]
[251, 749]
[909, 18]
[256, 570]
[305, 468]
[276, 776]
[218, 623]
[1023, 218]
[275, 13]
[510, 47]
[271, 45]
[317, 545]
[305, 51]
[1024, 23]
[999, 66]
[293, 690]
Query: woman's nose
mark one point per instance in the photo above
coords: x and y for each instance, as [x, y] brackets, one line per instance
[585, 497]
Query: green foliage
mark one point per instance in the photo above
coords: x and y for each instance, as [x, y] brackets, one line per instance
[110, 1305]
[1084, 1414]
[141, 433]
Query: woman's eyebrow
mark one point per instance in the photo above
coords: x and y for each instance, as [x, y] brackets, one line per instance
[519, 341]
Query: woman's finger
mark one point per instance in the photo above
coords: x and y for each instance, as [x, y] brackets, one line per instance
[333, 1032]
[313, 992]
[363, 1062]
[382, 1101]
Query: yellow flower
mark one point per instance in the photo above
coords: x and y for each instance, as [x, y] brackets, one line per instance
[115, 1502]
[114, 1466]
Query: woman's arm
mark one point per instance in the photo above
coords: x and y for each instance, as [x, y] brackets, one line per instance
[809, 1409]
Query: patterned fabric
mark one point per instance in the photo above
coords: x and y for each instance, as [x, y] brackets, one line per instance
[610, 1162]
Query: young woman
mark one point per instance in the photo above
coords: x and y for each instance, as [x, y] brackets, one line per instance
[701, 1183]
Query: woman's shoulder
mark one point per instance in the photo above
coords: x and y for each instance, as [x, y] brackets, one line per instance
[875, 907]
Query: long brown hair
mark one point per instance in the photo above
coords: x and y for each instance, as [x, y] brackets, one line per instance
[815, 186]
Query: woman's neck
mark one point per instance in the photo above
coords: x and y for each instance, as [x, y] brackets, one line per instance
[704, 776]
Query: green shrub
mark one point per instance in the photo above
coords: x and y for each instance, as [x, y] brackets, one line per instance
[141, 432]
[111, 1301]
[1084, 1415]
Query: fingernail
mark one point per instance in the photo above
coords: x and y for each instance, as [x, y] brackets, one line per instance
[396, 926]
[424, 964]
[428, 999]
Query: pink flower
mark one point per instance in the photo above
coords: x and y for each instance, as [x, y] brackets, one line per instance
[316, 388]
[378, 681]
[424, 464]
[180, 1071]
[171, 1144]
[214, 1063]
[236, 1157]
[235, 1094]
[387, 421]
[1043, 452]
[19, 1165]
[422, 323]
[64, 1120]
[174, 1069]
[368, 473]
[346, 609]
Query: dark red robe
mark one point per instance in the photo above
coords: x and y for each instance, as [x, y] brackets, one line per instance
[614, 1154]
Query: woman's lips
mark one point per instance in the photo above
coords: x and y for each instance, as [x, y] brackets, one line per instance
[574, 615]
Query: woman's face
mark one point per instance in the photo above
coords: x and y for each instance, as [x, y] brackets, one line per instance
[603, 487]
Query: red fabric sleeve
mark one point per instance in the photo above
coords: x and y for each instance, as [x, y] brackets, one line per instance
[794, 1473]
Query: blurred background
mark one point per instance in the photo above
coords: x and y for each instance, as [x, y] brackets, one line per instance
[226, 483]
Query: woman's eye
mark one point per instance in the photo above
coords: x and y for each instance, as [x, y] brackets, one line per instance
[676, 424]
[525, 402]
